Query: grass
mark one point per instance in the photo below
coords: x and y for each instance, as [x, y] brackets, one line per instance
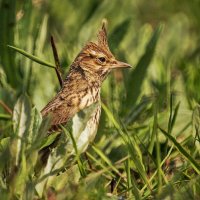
[147, 145]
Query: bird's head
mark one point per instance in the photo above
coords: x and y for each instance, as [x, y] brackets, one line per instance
[97, 58]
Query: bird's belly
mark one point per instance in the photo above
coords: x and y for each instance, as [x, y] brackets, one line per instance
[85, 125]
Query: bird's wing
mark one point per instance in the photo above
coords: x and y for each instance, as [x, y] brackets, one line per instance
[67, 102]
[61, 108]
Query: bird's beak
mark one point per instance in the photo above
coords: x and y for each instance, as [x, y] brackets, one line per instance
[118, 64]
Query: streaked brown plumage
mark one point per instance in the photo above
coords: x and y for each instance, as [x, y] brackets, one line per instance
[82, 85]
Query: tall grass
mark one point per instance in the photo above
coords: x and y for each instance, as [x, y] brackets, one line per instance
[147, 145]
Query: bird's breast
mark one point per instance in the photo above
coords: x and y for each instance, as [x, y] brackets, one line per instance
[91, 96]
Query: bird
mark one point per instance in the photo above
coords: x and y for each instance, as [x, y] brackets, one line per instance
[79, 98]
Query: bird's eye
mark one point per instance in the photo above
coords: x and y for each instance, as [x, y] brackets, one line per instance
[102, 59]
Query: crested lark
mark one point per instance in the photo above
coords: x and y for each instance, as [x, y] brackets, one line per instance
[79, 98]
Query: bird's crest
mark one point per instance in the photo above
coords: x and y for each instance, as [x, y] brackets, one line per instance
[102, 36]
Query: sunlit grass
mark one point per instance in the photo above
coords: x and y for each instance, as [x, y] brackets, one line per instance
[147, 145]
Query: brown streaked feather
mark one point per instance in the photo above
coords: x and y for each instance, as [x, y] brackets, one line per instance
[66, 103]
[98, 49]
[61, 110]
[102, 37]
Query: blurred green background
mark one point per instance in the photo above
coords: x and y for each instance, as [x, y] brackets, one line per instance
[29, 24]
[159, 39]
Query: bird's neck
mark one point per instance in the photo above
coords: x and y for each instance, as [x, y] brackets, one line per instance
[92, 78]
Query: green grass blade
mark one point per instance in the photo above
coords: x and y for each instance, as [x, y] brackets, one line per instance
[154, 130]
[21, 123]
[175, 115]
[137, 76]
[196, 126]
[158, 155]
[22, 115]
[170, 113]
[4, 116]
[105, 159]
[99, 163]
[48, 140]
[179, 147]
[8, 12]
[131, 146]
[156, 141]
[161, 164]
[79, 161]
[4, 143]
[118, 34]
[172, 117]
[36, 120]
[131, 183]
[33, 58]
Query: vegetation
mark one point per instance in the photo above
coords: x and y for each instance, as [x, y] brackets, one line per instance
[148, 142]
